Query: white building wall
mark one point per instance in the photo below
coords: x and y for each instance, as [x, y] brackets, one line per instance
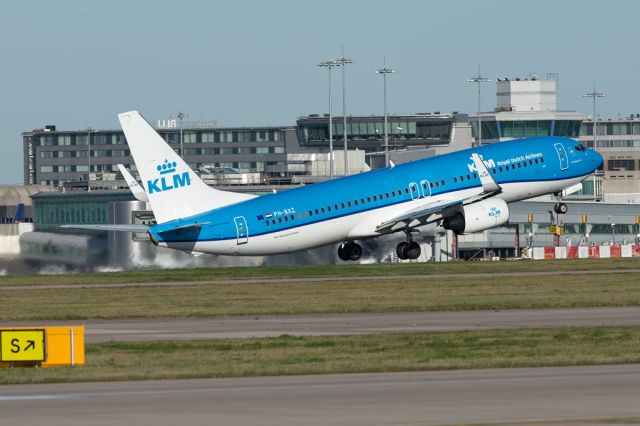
[526, 95]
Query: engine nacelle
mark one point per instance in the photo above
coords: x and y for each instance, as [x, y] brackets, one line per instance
[478, 216]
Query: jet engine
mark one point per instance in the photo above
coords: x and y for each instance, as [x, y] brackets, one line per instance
[478, 216]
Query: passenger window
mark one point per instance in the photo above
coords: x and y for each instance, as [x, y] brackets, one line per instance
[304, 214]
[461, 178]
[349, 203]
[286, 218]
[310, 213]
[430, 184]
[279, 220]
[468, 177]
[387, 195]
[536, 160]
[299, 216]
[494, 171]
[393, 193]
[500, 169]
[375, 198]
[475, 175]
[381, 197]
[437, 183]
[455, 179]
[406, 190]
[424, 185]
[442, 182]
[317, 212]
[519, 165]
[369, 199]
[362, 200]
[355, 202]
[322, 209]
[329, 208]
[267, 223]
[530, 163]
[335, 206]
[542, 159]
[293, 217]
[273, 221]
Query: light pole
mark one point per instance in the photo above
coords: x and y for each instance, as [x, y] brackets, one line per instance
[594, 95]
[89, 130]
[330, 64]
[180, 116]
[613, 231]
[479, 79]
[384, 71]
[344, 61]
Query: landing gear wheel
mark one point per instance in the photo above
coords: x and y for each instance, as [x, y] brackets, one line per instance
[400, 250]
[355, 251]
[412, 250]
[342, 253]
[560, 208]
[349, 251]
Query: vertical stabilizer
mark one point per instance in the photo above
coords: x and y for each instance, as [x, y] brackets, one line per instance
[173, 189]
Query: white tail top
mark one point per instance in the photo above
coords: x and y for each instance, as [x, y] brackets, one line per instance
[173, 189]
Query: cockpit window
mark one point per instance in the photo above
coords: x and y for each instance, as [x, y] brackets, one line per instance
[580, 147]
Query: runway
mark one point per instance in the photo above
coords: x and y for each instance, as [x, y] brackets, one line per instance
[572, 395]
[334, 324]
[311, 280]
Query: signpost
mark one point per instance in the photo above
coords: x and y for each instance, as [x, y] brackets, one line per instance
[22, 345]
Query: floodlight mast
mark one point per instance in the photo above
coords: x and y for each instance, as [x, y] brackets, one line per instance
[384, 71]
[344, 61]
[595, 95]
[330, 64]
[479, 79]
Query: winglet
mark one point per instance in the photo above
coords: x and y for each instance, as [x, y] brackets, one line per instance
[488, 182]
[134, 186]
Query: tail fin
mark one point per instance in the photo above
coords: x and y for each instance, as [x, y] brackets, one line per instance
[18, 217]
[173, 189]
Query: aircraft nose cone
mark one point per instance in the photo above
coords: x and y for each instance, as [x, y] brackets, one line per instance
[597, 159]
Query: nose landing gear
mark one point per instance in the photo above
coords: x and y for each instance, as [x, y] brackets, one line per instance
[350, 251]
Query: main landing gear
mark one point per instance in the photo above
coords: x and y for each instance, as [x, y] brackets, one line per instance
[560, 207]
[349, 251]
[409, 249]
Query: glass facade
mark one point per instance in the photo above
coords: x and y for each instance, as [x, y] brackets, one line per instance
[493, 130]
[606, 128]
[57, 158]
[54, 209]
[368, 132]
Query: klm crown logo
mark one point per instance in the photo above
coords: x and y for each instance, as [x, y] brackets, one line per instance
[168, 179]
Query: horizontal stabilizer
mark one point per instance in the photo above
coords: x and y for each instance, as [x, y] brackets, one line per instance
[104, 227]
[192, 226]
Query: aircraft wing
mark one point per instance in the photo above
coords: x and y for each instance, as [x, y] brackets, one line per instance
[105, 227]
[435, 211]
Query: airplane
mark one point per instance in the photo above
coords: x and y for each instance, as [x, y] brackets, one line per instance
[465, 191]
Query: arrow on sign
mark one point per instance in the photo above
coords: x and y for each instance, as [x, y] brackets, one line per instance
[31, 344]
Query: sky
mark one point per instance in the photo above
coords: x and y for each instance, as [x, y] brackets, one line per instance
[77, 64]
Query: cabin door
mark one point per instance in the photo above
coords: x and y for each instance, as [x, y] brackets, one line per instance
[242, 230]
[562, 155]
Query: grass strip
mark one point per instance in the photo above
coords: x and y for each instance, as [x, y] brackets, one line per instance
[324, 297]
[345, 270]
[287, 355]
